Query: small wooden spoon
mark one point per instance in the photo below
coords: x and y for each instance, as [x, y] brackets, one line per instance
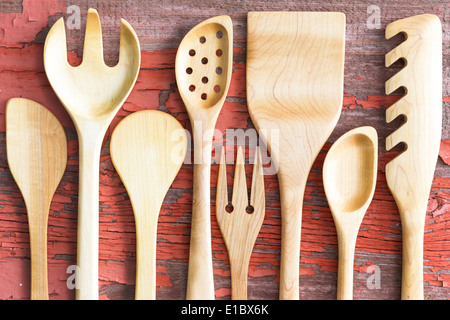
[37, 155]
[203, 70]
[349, 178]
[147, 149]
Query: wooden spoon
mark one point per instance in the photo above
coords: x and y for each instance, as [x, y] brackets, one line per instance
[349, 178]
[37, 155]
[203, 71]
[92, 93]
[147, 149]
[295, 68]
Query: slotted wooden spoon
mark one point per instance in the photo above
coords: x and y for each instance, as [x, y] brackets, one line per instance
[203, 71]
[37, 155]
[349, 179]
[295, 67]
[92, 93]
[410, 175]
[147, 149]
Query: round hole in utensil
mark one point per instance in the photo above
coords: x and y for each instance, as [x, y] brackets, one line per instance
[204, 60]
[202, 39]
[219, 70]
[205, 79]
[191, 88]
[189, 70]
[219, 52]
[249, 209]
[229, 208]
[204, 96]
[216, 88]
[192, 52]
[219, 34]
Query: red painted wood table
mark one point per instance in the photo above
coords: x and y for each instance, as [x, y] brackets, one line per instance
[160, 26]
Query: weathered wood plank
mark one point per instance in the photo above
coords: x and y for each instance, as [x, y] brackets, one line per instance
[160, 26]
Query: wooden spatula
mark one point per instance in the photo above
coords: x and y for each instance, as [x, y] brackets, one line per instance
[409, 176]
[147, 149]
[295, 67]
[37, 155]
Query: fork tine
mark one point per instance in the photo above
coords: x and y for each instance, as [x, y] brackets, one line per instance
[55, 48]
[240, 197]
[257, 196]
[129, 44]
[93, 44]
[222, 192]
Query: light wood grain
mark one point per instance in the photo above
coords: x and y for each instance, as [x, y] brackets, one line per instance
[92, 93]
[37, 157]
[147, 149]
[295, 64]
[409, 176]
[203, 76]
[240, 228]
[349, 178]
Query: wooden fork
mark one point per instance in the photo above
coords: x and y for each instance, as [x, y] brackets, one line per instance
[239, 227]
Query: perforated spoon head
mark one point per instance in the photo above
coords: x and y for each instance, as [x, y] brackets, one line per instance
[203, 65]
[92, 90]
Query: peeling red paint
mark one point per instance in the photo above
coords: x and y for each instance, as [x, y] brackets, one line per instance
[18, 28]
[444, 151]
[379, 236]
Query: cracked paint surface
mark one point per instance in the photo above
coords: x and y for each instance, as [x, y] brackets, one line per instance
[379, 242]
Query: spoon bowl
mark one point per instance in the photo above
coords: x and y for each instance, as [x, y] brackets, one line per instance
[91, 90]
[203, 64]
[349, 178]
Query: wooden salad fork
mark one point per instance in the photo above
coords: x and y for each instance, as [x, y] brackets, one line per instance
[92, 93]
[240, 228]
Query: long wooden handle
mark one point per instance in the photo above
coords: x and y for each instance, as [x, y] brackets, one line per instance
[146, 234]
[38, 249]
[88, 217]
[239, 274]
[413, 225]
[200, 285]
[346, 247]
[291, 221]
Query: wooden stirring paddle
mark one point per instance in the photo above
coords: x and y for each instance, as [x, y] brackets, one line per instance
[147, 149]
[295, 71]
[36, 148]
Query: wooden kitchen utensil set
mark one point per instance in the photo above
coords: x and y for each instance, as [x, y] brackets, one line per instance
[295, 69]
